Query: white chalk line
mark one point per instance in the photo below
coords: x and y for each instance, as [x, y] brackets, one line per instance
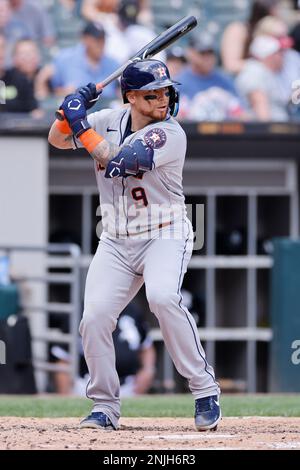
[203, 448]
[199, 436]
[285, 445]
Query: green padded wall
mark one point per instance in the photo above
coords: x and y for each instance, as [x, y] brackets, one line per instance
[285, 317]
[9, 300]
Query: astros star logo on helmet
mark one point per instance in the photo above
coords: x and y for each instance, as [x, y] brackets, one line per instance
[162, 72]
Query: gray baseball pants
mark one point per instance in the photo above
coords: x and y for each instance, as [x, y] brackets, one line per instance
[117, 272]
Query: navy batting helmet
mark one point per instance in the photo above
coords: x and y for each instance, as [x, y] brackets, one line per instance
[149, 74]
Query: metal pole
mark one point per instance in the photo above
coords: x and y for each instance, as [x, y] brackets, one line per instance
[75, 315]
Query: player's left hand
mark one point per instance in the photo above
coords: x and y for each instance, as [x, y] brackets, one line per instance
[75, 113]
[90, 94]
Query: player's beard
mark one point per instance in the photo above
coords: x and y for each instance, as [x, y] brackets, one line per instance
[156, 114]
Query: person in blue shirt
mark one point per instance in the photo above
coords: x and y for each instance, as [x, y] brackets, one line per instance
[202, 73]
[207, 93]
[84, 63]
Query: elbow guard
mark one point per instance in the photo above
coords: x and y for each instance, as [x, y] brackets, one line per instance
[133, 159]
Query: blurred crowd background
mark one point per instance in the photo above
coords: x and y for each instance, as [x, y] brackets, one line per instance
[240, 63]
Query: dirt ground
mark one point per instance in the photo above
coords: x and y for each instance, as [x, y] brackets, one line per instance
[150, 433]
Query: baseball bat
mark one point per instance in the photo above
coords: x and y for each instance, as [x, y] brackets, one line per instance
[161, 42]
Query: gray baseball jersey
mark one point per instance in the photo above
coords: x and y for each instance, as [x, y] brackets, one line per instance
[124, 261]
[136, 205]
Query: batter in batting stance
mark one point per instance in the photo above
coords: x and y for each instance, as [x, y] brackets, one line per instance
[138, 154]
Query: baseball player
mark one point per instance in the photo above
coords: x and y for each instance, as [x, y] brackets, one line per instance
[138, 153]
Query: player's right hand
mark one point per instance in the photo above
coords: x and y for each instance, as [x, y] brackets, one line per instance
[90, 94]
[74, 110]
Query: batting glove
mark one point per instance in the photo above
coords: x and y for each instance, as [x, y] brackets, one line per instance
[74, 110]
[90, 94]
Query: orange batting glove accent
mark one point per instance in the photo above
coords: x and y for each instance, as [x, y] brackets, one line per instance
[63, 127]
[90, 139]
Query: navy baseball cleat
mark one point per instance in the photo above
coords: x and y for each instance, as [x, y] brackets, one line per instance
[97, 420]
[207, 413]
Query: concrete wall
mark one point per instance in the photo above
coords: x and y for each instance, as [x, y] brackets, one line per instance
[24, 220]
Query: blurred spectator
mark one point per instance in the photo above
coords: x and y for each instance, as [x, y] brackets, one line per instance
[120, 18]
[214, 105]
[204, 88]
[258, 81]
[106, 12]
[289, 12]
[11, 28]
[101, 10]
[238, 36]
[43, 87]
[19, 92]
[135, 358]
[67, 21]
[81, 64]
[290, 71]
[36, 20]
[135, 35]
[27, 58]
[202, 72]
[295, 35]
[95, 10]
[145, 14]
[272, 26]
[176, 60]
